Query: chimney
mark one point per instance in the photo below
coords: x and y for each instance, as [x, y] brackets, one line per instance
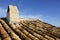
[12, 14]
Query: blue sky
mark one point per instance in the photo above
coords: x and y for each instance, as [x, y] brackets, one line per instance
[45, 10]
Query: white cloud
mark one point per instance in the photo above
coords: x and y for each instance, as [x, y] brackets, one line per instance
[20, 3]
[49, 19]
[3, 12]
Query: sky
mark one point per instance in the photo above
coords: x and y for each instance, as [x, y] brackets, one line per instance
[45, 10]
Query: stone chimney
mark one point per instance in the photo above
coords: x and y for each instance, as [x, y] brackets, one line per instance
[12, 14]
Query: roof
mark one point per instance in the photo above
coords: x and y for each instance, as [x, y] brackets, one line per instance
[28, 30]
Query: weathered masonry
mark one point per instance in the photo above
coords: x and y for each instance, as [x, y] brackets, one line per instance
[12, 14]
